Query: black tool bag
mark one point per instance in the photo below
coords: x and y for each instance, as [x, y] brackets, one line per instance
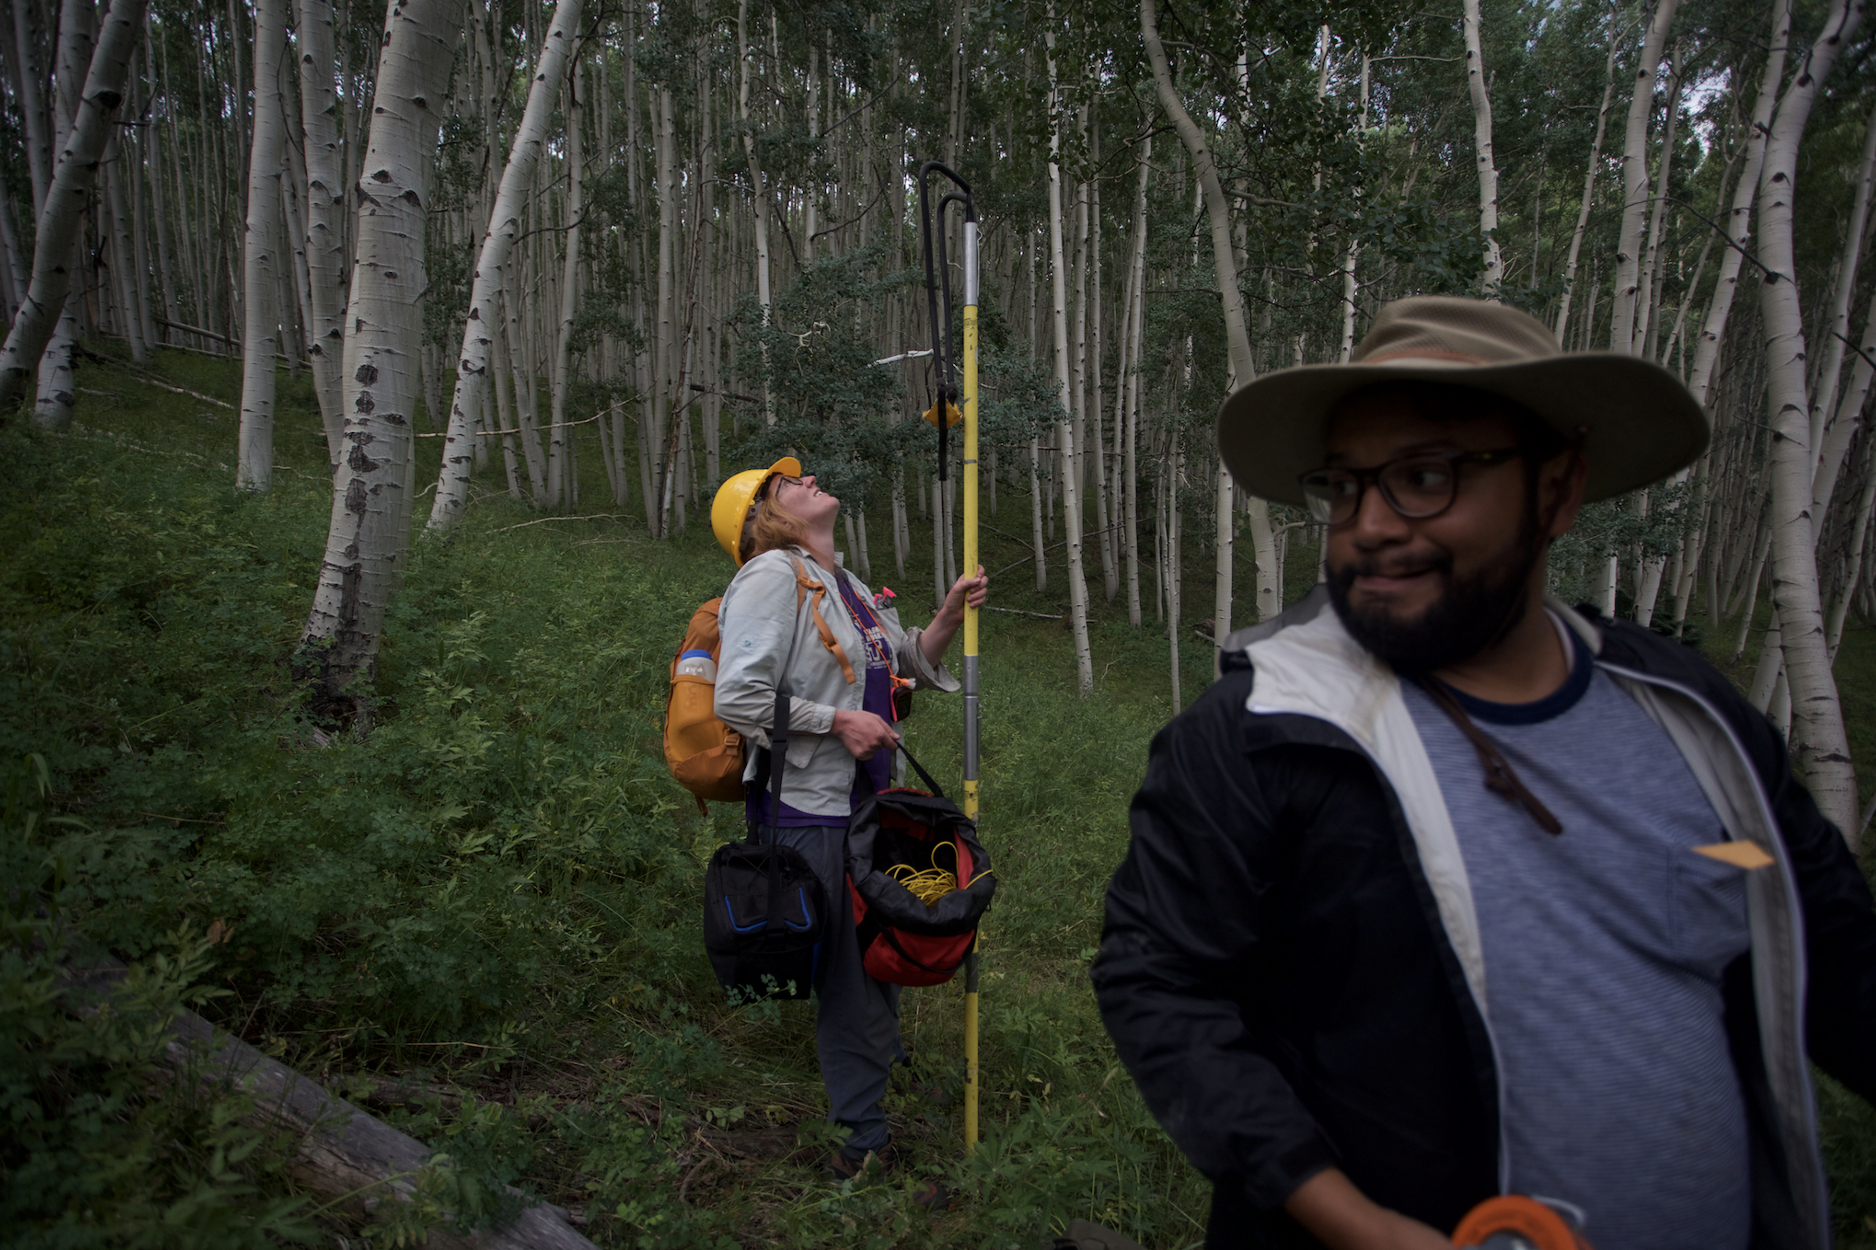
[764, 908]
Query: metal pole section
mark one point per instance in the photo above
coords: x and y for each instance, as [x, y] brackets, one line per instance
[968, 407]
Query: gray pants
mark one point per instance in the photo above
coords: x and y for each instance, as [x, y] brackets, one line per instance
[856, 1025]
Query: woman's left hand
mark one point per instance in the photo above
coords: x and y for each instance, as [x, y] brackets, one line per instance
[974, 590]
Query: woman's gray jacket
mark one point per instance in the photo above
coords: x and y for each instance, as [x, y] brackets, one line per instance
[766, 619]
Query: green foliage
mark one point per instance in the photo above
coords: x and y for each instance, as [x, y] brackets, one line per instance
[831, 402]
[93, 1152]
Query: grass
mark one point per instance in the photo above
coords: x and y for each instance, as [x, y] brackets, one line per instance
[480, 922]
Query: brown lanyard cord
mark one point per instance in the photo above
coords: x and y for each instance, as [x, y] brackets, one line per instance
[1499, 778]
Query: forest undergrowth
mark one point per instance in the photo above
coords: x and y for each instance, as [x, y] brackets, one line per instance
[478, 918]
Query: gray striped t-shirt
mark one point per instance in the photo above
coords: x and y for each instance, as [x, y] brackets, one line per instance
[1604, 948]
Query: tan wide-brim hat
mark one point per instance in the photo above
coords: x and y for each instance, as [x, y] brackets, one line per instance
[1638, 422]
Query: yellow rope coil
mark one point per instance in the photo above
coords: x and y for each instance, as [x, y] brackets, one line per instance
[927, 885]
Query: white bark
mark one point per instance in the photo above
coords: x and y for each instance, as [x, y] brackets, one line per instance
[260, 332]
[1739, 216]
[325, 214]
[1065, 427]
[1130, 386]
[744, 52]
[1836, 328]
[370, 496]
[1482, 147]
[1589, 182]
[1354, 239]
[1853, 575]
[1820, 747]
[58, 385]
[561, 465]
[1849, 418]
[79, 156]
[1237, 337]
[1647, 300]
[123, 248]
[504, 226]
[1628, 252]
[36, 122]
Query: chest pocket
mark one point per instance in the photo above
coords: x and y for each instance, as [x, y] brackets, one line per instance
[1706, 912]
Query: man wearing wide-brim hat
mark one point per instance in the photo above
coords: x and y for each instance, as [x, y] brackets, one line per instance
[1446, 890]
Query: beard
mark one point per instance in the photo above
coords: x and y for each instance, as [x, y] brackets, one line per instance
[1474, 612]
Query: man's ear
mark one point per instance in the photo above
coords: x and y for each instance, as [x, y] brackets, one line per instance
[1560, 484]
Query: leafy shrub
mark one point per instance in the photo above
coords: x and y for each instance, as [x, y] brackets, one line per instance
[101, 1147]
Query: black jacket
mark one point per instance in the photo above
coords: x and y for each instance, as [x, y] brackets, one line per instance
[1276, 975]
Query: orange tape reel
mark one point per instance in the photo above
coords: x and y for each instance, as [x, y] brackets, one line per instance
[1525, 1218]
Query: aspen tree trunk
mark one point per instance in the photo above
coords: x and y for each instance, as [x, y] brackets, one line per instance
[1752, 596]
[1589, 182]
[1836, 331]
[58, 385]
[15, 273]
[1354, 241]
[1131, 452]
[123, 250]
[325, 215]
[744, 52]
[1172, 565]
[1623, 332]
[491, 272]
[1849, 420]
[1648, 300]
[35, 121]
[1065, 430]
[1820, 748]
[1482, 145]
[1037, 538]
[370, 491]
[663, 363]
[260, 332]
[1739, 215]
[1237, 337]
[1859, 536]
[58, 230]
[1127, 386]
[562, 471]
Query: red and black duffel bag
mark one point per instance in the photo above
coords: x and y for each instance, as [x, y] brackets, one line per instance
[920, 881]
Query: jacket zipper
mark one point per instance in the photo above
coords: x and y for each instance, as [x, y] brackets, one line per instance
[1819, 1195]
[1439, 926]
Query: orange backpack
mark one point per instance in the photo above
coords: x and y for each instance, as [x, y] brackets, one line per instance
[705, 755]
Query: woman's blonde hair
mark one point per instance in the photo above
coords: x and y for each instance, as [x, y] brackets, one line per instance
[771, 524]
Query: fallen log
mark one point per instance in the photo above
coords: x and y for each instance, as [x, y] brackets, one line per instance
[345, 1156]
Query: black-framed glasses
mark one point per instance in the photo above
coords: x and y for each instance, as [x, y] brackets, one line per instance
[1418, 486]
[775, 480]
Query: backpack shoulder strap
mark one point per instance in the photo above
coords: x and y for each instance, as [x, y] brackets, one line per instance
[804, 584]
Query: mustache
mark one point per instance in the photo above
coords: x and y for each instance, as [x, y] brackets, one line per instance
[1395, 565]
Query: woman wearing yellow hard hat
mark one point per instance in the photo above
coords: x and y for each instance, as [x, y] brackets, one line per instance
[794, 619]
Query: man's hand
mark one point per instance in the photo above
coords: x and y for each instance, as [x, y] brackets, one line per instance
[1342, 1218]
[863, 734]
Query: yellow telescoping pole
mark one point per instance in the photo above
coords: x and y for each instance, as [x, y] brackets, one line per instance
[969, 407]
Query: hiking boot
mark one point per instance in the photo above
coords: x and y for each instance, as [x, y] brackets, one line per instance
[847, 1164]
[930, 1195]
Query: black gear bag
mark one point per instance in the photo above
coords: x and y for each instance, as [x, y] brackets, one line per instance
[764, 908]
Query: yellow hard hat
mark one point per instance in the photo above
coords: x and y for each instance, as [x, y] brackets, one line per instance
[730, 509]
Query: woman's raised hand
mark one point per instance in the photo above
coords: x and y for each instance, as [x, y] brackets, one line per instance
[975, 590]
[864, 733]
